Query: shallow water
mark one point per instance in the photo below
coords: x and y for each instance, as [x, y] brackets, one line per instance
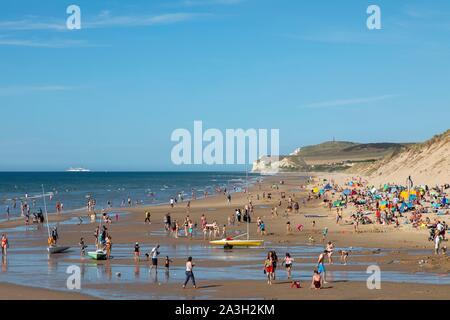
[74, 188]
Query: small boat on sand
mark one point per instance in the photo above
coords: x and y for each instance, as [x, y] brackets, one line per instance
[57, 249]
[97, 255]
[52, 246]
[230, 243]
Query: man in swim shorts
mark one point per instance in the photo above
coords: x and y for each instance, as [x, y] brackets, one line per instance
[321, 266]
[155, 254]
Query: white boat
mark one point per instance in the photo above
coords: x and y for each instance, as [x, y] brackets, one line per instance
[57, 249]
[52, 248]
[78, 170]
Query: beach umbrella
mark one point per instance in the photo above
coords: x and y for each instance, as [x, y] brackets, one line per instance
[347, 192]
[337, 203]
[404, 195]
[316, 190]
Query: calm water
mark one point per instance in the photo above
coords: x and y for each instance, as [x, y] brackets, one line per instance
[74, 188]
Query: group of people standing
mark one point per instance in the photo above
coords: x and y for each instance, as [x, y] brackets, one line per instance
[319, 273]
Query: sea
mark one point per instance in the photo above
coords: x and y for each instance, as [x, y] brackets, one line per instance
[73, 189]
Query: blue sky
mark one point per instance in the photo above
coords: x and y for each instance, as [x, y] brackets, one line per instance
[108, 96]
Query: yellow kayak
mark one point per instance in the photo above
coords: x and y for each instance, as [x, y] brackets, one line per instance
[237, 243]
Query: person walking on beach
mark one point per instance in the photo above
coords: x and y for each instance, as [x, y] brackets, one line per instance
[5, 245]
[55, 235]
[324, 234]
[189, 273]
[7, 212]
[275, 264]
[330, 249]
[437, 243]
[108, 246]
[268, 267]
[167, 263]
[238, 215]
[263, 228]
[167, 222]
[287, 261]
[321, 266]
[155, 253]
[147, 217]
[82, 247]
[137, 252]
[186, 226]
[177, 228]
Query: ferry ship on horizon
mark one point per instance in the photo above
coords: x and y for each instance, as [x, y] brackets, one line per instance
[78, 170]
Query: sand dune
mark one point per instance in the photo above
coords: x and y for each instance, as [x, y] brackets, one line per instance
[427, 163]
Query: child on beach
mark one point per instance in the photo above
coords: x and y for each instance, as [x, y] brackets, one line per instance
[287, 261]
[82, 247]
[324, 234]
[137, 252]
[288, 227]
[316, 282]
[167, 263]
[344, 256]
[262, 226]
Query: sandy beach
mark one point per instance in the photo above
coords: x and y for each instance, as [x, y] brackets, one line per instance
[399, 252]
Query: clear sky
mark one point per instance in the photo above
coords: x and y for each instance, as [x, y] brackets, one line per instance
[108, 96]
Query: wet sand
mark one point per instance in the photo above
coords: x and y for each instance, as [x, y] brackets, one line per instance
[282, 290]
[10, 291]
